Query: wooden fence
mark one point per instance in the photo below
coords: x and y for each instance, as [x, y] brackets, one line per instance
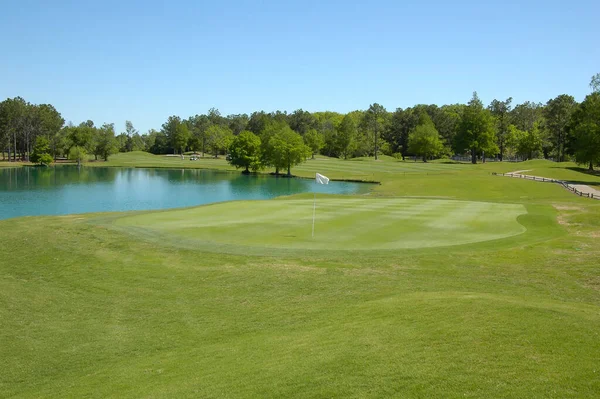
[545, 179]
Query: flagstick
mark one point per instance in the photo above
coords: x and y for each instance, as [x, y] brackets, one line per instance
[314, 210]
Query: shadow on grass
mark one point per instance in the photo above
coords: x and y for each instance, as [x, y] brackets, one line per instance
[583, 170]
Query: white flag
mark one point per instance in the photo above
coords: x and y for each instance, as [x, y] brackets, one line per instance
[322, 179]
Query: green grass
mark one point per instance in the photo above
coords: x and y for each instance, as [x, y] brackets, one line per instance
[565, 171]
[216, 301]
[342, 223]
[7, 164]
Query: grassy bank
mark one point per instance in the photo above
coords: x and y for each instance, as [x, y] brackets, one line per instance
[393, 299]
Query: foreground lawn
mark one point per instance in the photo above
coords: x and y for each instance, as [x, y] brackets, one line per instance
[394, 299]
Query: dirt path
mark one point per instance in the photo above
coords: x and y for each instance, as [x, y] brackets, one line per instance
[586, 189]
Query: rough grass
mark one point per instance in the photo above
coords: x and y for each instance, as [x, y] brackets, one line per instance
[90, 310]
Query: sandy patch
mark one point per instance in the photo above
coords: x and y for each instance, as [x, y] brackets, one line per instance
[567, 207]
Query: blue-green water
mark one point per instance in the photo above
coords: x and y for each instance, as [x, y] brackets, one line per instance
[64, 190]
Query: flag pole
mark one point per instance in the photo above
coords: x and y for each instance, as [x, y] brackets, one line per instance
[314, 210]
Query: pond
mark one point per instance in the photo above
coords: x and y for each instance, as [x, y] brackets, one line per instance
[62, 190]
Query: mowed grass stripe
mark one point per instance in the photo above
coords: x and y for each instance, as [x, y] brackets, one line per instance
[354, 223]
[356, 167]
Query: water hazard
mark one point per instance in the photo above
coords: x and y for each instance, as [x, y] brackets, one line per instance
[61, 190]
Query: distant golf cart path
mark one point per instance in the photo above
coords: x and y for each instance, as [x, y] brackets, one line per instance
[578, 189]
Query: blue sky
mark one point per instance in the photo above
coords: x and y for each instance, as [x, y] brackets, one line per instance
[112, 61]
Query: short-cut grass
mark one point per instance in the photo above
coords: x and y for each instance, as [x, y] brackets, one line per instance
[207, 302]
[342, 224]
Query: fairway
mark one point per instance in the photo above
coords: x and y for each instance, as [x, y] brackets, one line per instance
[341, 223]
[446, 282]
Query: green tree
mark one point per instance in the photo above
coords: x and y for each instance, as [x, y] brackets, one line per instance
[121, 142]
[132, 139]
[525, 115]
[244, 151]
[314, 141]
[402, 123]
[51, 122]
[595, 83]
[81, 136]
[159, 143]
[105, 141]
[345, 142]
[558, 113]
[237, 123]
[476, 130]
[269, 130]
[181, 138]
[258, 122]
[302, 121]
[41, 151]
[446, 122]
[424, 140]
[288, 149]
[526, 142]
[375, 122]
[327, 124]
[149, 139]
[77, 153]
[12, 120]
[4, 128]
[501, 112]
[60, 143]
[177, 132]
[585, 127]
[199, 124]
[218, 138]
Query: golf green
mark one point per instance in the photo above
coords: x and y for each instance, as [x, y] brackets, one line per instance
[340, 223]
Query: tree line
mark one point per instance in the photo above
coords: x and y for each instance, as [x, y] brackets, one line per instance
[561, 129]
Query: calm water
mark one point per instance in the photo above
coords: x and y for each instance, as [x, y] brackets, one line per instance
[67, 189]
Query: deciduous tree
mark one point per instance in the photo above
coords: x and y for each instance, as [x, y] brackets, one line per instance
[105, 141]
[244, 151]
[302, 121]
[585, 127]
[424, 140]
[375, 122]
[218, 138]
[526, 142]
[41, 151]
[476, 130]
[501, 112]
[346, 137]
[237, 123]
[77, 153]
[558, 113]
[314, 140]
[177, 133]
[287, 149]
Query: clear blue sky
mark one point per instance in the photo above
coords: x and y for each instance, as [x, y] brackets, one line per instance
[145, 60]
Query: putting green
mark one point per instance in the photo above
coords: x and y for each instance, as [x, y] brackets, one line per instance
[341, 223]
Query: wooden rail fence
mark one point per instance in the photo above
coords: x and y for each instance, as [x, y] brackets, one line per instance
[545, 179]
